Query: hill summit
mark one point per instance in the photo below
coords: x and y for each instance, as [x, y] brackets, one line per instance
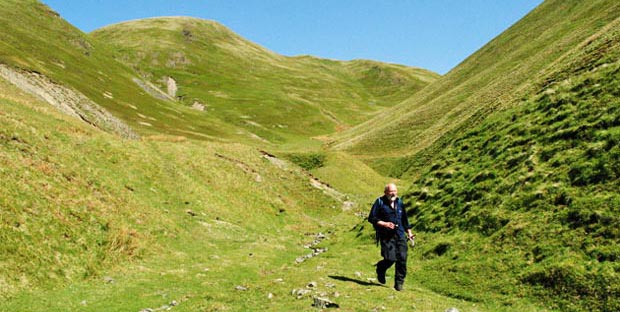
[269, 96]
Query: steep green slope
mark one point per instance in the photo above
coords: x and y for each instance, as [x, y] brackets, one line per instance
[495, 76]
[34, 39]
[278, 98]
[75, 202]
[527, 202]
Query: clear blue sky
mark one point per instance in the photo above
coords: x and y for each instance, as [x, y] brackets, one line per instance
[432, 34]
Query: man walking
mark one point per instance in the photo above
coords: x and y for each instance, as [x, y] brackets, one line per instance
[390, 222]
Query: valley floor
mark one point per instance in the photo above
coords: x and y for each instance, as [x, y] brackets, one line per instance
[240, 272]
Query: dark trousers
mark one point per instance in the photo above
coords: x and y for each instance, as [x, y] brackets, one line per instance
[394, 250]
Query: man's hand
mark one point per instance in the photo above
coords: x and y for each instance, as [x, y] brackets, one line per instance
[388, 225]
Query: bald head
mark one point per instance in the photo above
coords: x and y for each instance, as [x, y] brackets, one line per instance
[391, 191]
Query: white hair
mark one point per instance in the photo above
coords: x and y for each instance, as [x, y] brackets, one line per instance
[387, 186]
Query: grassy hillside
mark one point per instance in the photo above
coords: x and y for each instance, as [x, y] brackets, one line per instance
[527, 202]
[280, 99]
[76, 201]
[514, 155]
[90, 222]
[496, 76]
[37, 40]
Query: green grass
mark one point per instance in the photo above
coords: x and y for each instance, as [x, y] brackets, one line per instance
[76, 201]
[90, 223]
[280, 99]
[532, 192]
[36, 39]
[251, 95]
[405, 137]
[509, 172]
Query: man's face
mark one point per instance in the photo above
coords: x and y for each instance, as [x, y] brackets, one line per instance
[391, 192]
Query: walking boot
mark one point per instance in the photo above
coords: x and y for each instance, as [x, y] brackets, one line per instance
[398, 286]
[380, 276]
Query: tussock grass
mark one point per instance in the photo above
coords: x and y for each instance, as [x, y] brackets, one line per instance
[532, 192]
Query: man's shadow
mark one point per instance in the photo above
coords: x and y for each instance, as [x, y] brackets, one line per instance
[348, 279]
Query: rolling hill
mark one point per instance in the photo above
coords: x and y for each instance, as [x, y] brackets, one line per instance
[181, 167]
[269, 95]
[69, 67]
[266, 108]
[493, 78]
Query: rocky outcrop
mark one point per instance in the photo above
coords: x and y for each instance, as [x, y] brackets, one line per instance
[66, 100]
[153, 90]
[171, 85]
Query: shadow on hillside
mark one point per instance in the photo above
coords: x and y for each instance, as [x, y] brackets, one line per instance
[348, 279]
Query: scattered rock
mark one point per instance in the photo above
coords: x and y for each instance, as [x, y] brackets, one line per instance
[315, 251]
[269, 296]
[312, 284]
[452, 310]
[152, 90]
[241, 288]
[300, 293]
[165, 307]
[274, 160]
[347, 205]
[190, 212]
[108, 280]
[321, 303]
[198, 106]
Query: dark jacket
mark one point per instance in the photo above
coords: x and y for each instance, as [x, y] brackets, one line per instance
[381, 211]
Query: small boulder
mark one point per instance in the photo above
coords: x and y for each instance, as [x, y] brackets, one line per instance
[322, 303]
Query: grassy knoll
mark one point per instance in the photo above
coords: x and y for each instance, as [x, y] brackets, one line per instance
[527, 202]
[280, 99]
[495, 76]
